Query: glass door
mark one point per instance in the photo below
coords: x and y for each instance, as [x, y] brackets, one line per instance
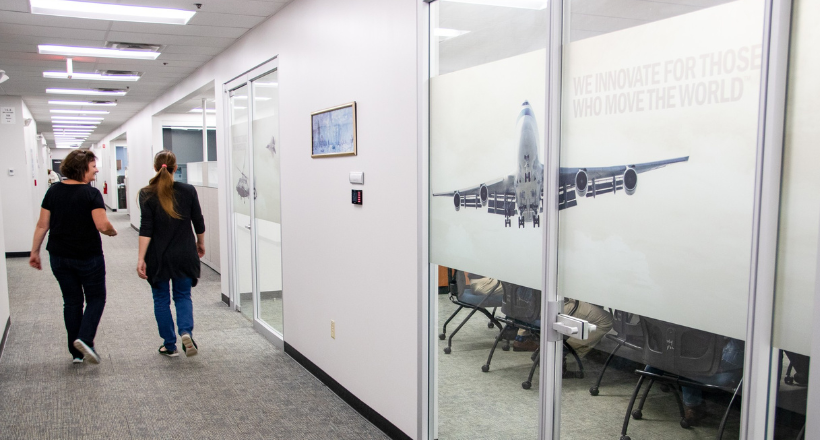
[656, 190]
[253, 109]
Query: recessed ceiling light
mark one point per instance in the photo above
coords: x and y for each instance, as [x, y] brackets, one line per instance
[94, 92]
[199, 110]
[93, 103]
[99, 52]
[523, 4]
[91, 76]
[103, 11]
[81, 112]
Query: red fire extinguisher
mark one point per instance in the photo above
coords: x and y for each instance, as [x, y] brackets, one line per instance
[105, 188]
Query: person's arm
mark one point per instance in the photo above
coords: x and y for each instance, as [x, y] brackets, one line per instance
[102, 223]
[200, 245]
[143, 248]
[39, 234]
[199, 224]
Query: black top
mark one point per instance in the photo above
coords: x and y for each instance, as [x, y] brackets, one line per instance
[73, 233]
[172, 251]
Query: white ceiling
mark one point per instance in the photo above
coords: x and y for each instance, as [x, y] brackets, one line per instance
[217, 25]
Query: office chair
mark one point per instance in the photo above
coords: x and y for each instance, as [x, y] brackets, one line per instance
[627, 334]
[521, 307]
[680, 352]
[463, 297]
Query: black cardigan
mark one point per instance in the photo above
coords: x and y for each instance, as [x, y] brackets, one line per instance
[172, 251]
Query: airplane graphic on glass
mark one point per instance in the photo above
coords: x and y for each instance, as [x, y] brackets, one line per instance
[521, 194]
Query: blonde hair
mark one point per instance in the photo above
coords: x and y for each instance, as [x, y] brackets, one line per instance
[162, 184]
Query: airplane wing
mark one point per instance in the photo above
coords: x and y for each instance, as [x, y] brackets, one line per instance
[593, 181]
[497, 195]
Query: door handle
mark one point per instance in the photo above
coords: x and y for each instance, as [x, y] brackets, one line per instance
[248, 227]
[573, 327]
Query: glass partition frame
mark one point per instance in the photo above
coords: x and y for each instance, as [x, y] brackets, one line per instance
[246, 79]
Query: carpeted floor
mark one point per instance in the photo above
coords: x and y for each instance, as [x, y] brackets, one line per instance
[238, 387]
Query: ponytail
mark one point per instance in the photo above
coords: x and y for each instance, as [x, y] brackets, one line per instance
[162, 184]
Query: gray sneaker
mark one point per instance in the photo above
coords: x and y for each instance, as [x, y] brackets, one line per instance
[89, 352]
[188, 345]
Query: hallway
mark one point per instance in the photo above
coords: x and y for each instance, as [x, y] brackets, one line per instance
[238, 387]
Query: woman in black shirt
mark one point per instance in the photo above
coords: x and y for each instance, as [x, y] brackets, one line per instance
[167, 251]
[75, 214]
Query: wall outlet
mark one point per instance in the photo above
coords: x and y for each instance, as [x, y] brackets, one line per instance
[333, 329]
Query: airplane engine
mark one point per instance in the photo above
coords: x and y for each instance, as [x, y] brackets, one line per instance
[630, 181]
[483, 194]
[581, 182]
[457, 200]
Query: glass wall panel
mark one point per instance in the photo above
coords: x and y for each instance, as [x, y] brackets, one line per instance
[487, 116]
[242, 191]
[267, 204]
[799, 225]
[656, 193]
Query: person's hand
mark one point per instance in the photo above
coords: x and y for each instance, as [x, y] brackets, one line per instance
[111, 232]
[200, 248]
[141, 269]
[34, 261]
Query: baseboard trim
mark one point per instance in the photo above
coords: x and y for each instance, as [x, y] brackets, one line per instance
[18, 254]
[5, 336]
[362, 408]
[225, 299]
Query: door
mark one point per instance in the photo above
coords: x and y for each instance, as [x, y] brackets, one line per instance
[252, 106]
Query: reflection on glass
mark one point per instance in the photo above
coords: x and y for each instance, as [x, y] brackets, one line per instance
[242, 191]
[799, 220]
[659, 111]
[267, 204]
[487, 110]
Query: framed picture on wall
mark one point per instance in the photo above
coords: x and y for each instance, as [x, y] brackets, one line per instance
[334, 131]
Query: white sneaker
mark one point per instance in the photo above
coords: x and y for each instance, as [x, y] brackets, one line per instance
[77, 361]
[89, 352]
[188, 345]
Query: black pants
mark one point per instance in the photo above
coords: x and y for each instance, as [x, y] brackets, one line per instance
[81, 280]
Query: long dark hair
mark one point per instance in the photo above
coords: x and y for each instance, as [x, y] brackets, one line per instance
[162, 185]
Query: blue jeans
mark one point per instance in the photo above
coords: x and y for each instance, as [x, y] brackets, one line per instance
[81, 281]
[731, 362]
[162, 309]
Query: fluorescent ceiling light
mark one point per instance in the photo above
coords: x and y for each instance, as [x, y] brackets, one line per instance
[522, 4]
[73, 125]
[95, 92]
[258, 98]
[448, 33]
[76, 118]
[99, 52]
[73, 130]
[81, 112]
[199, 110]
[78, 122]
[91, 76]
[103, 11]
[93, 103]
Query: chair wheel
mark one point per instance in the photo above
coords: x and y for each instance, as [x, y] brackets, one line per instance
[490, 324]
[485, 368]
[789, 380]
[447, 350]
[442, 336]
[637, 414]
[526, 385]
[684, 424]
[625, 437]
[593, 391]
[506, 346]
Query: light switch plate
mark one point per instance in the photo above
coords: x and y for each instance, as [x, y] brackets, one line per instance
[357, 177]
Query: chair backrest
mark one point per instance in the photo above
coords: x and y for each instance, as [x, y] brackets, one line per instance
[627, 327]
[521, 303]
[681, 350]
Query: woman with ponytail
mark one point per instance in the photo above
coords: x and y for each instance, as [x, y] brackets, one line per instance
[168, 256]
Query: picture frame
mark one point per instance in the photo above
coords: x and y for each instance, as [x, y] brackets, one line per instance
[333, 131]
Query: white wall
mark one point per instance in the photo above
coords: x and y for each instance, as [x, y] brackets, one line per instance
[20, 151]
[357, 265]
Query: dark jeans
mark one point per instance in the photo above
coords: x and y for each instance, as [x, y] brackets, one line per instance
[162, 309]
[81, 280]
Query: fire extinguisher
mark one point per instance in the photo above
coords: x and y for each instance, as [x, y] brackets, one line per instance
[105, 188]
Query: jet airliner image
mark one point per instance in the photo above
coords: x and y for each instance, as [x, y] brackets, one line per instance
[521, 193]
